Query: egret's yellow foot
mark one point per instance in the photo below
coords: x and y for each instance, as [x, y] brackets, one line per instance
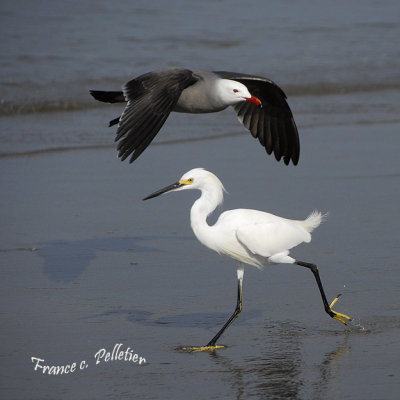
[194, 349]
[339, 316]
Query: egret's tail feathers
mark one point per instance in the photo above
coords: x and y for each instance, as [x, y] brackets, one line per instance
[314, 220]
[108, 97]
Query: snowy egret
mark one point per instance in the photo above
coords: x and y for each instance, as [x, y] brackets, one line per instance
[259, 103]
[249, 236]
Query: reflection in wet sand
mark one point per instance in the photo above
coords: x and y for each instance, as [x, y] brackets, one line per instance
[278, 372]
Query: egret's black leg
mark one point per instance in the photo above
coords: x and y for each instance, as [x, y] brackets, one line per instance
[235, 314]
[327, 307]
[211, 346]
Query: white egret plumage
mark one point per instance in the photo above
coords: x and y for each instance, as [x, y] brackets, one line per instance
[249, 236]
[260, 105]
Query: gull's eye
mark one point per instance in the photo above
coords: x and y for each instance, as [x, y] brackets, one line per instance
[235, 90]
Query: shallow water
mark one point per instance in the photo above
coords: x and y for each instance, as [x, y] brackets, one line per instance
[108, 268]
[85, 264]
[54, 52]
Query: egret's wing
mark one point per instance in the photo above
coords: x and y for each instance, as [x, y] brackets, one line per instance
[272, 123]
[151, 97]
[267, 239]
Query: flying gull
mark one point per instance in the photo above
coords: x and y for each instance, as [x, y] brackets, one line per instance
[260, 105]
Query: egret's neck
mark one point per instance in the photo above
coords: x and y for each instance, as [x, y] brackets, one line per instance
[201, 209]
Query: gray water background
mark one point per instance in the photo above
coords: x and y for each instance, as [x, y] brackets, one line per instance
[53, 52]
[85, 264]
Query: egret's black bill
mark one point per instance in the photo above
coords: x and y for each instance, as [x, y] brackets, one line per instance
[164, 190]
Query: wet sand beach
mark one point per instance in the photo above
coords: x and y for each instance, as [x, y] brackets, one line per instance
[100, 290]
[87, 265]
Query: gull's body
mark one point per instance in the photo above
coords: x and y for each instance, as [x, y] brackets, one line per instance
[248, 236]
[259, 103]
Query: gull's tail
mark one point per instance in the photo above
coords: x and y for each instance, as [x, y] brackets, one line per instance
[108, 97]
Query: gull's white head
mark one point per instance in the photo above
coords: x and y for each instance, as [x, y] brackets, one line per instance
[232, 92]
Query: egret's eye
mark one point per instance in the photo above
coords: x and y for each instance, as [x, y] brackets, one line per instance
[235, 90]
[190, 180]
